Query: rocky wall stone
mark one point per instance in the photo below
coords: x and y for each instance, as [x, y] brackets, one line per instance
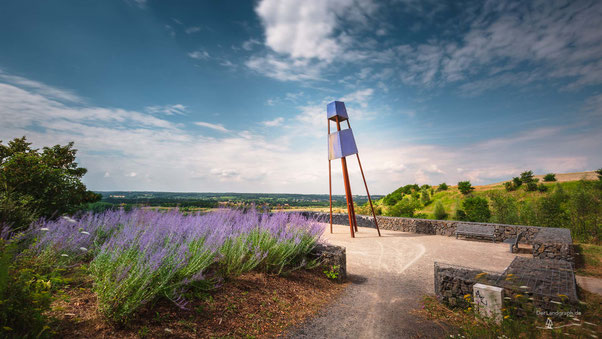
[453, 283]
[332, 259]
[548, 242]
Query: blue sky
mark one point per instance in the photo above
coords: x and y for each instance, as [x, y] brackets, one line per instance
[231, 95]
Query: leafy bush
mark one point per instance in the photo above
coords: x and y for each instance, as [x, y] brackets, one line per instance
[509, 186]
[542, 187]
[549, 177]
[24, 296]
[517, 182]
[460, 215]
[465, 187]
[38, 184]
[404, 208]
[584, 209]
[476, 209]
[531, 186]
[550, 211]
[505, 209]
[425, 198]
[442, 187]
[526, 177]
[439, 211]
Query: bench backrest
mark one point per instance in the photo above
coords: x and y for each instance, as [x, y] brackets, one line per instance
[519, 237]
[475, 228]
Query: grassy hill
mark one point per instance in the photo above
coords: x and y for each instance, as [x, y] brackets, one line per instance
[573, 201]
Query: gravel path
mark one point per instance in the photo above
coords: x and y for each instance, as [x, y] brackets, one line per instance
[389, 275]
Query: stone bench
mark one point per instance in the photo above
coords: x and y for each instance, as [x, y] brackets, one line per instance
[475, 230]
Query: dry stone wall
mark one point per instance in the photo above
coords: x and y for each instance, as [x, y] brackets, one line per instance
[453, 283]
[332, 259]
[548, 242]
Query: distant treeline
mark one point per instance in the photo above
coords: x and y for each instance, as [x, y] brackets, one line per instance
[212, 200]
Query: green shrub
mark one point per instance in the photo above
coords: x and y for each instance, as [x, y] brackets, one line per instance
[509, 186]
[599, 173]
[527, 177]
[460, 215]
[477, 209]
[505, 209]
[584, 209]
[531, 186]
[549, 177]
[527, 213]
[425, 198]
[404, 208]
[465, 187]
[439, 211]
[550, 211]
[24, 296]
[542, 187]
[517, 182]
[442, 187]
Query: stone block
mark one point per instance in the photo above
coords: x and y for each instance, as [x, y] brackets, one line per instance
[332, 259]
[488, 300]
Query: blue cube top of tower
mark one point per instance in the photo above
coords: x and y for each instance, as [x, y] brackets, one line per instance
[336, 109]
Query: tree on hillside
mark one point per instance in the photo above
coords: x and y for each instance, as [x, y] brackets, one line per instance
[516, 182]
[550, 209]
[439, 211]
[476, 209]
[526, 177]
[505, 208]
[425, 198]
[465, 187]
[442, 187]
[36, 183]
[549, 177]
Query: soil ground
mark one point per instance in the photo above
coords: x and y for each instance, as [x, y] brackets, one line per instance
[254, 305]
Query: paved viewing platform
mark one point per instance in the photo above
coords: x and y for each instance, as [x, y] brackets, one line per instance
[389, 275]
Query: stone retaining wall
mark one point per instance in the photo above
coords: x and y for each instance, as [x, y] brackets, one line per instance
[453, 282]
[333, 259]
[553, 243]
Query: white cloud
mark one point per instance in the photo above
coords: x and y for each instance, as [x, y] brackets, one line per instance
[360, 97]
[304, 36]
[249, 44]
[48, 91]
[114, 143]
[177, 109]
[199, 55]
[192, 29]
[273, 123]
[554, 39]
[217, 127]
[286, 69]
[301, 29]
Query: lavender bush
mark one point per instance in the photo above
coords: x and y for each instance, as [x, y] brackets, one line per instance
[139, 256]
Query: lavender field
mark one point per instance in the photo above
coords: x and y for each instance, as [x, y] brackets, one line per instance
[140, 256]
